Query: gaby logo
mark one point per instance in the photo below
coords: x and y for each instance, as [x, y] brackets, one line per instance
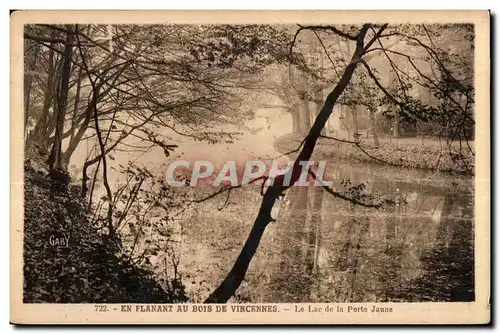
[183, 173]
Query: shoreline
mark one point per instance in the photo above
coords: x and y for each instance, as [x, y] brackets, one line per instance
[394, 154]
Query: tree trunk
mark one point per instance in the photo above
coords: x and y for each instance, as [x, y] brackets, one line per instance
[294, 111]
[305, 118]
[395, 125]
[318, 97]
[237, 273]
[40, 131]
[27, 88]
[76, 104]
[305, 113]
[373, 128]
[344, 112]
[55, 158]
[354, 119]
[349, 110]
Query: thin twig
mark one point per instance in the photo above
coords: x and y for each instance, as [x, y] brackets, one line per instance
[342, 196]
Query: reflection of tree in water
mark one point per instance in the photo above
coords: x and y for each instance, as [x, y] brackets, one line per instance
[295, 277]
[449, 265]
[417, 252]
[314, 231]
[291, 282]
[347, 262]
[393, 252]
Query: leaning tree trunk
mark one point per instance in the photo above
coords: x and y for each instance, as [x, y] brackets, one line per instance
[237, 273]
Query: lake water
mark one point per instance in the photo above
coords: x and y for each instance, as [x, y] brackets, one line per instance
[324, 249]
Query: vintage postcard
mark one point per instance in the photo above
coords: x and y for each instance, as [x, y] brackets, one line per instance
[250, 167]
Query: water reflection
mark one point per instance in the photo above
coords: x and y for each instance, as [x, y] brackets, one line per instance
[333, 251]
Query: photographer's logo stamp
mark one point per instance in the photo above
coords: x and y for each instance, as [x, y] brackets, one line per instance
[59, 240]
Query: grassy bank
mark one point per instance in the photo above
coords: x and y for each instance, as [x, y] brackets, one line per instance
[404, 154]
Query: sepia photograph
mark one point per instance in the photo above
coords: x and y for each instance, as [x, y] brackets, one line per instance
[259, 164]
